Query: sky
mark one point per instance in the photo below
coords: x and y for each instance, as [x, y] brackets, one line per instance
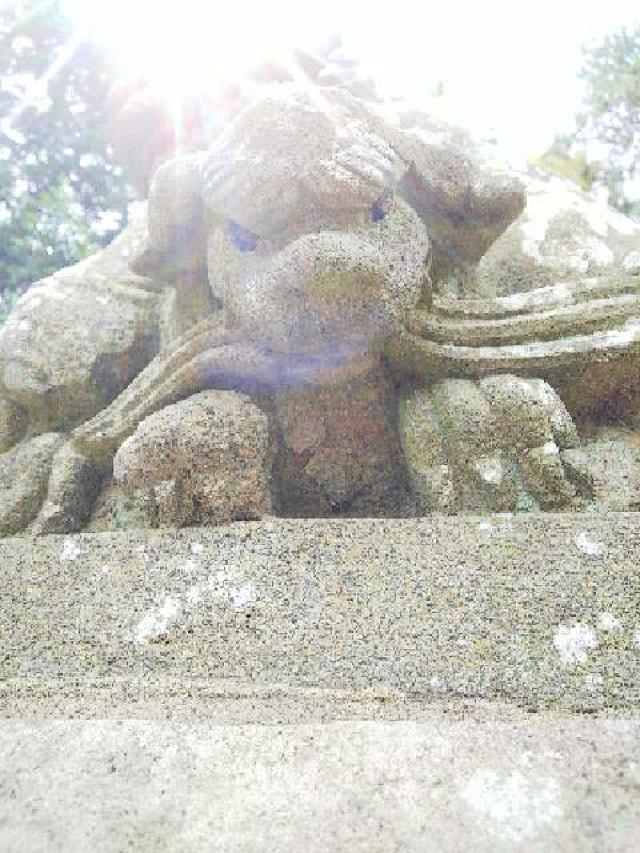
[509, 69]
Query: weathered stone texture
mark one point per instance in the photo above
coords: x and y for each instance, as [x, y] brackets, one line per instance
[205, 460]
[487, 446]
[537, 609]
[338, 450]
[564, 234]
[607, 469]
[76, 339]
[24, 474]
[446, 784]
[13, 423]
[74, 484]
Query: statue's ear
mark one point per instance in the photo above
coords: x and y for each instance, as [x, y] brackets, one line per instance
[465, 202]
[186, 258]
[465, 205]
[141, 130]
[147, 262]
[176, 240]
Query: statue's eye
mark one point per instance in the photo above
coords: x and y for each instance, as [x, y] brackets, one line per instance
[381, 206]
[243, 239]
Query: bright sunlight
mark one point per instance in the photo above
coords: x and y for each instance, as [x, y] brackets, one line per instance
[508, 70]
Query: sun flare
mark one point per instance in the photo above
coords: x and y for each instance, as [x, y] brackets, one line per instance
[508, 71]
[191, 44]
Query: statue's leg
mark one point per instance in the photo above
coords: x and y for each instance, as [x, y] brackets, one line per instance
[211, 355]
[211, 358]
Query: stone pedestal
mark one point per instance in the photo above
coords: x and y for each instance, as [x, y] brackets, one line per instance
[313, 685]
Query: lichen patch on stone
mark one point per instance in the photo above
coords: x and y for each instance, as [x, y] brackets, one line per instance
[608, 622]
[587, 545]
[573, 643]
[490, 470]
[513, 806]
[157, 621]
[70, 550]
[593, 681]
[223, 587]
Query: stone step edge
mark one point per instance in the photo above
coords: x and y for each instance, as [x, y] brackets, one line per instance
[230, 701]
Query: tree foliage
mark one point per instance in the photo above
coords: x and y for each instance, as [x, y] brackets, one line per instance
[561, 159]
[61, 194]
[612, 118]
[605, 149]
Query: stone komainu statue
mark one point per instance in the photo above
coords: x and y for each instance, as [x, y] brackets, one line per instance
[333, 308]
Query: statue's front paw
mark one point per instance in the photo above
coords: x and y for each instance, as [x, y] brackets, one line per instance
[46, 486]
[24, 475]
[73, 486]
[487, 446]
[203, 461]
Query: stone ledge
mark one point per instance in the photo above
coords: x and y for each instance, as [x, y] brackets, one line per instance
[484, 785]
[541, 610]
[229, 702]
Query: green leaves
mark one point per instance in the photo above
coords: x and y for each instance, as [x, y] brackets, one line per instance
[604, 151]
[61, 194]
[612, 115]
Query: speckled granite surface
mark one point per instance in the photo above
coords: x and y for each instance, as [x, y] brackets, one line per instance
[324, 685]
[541, 610]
